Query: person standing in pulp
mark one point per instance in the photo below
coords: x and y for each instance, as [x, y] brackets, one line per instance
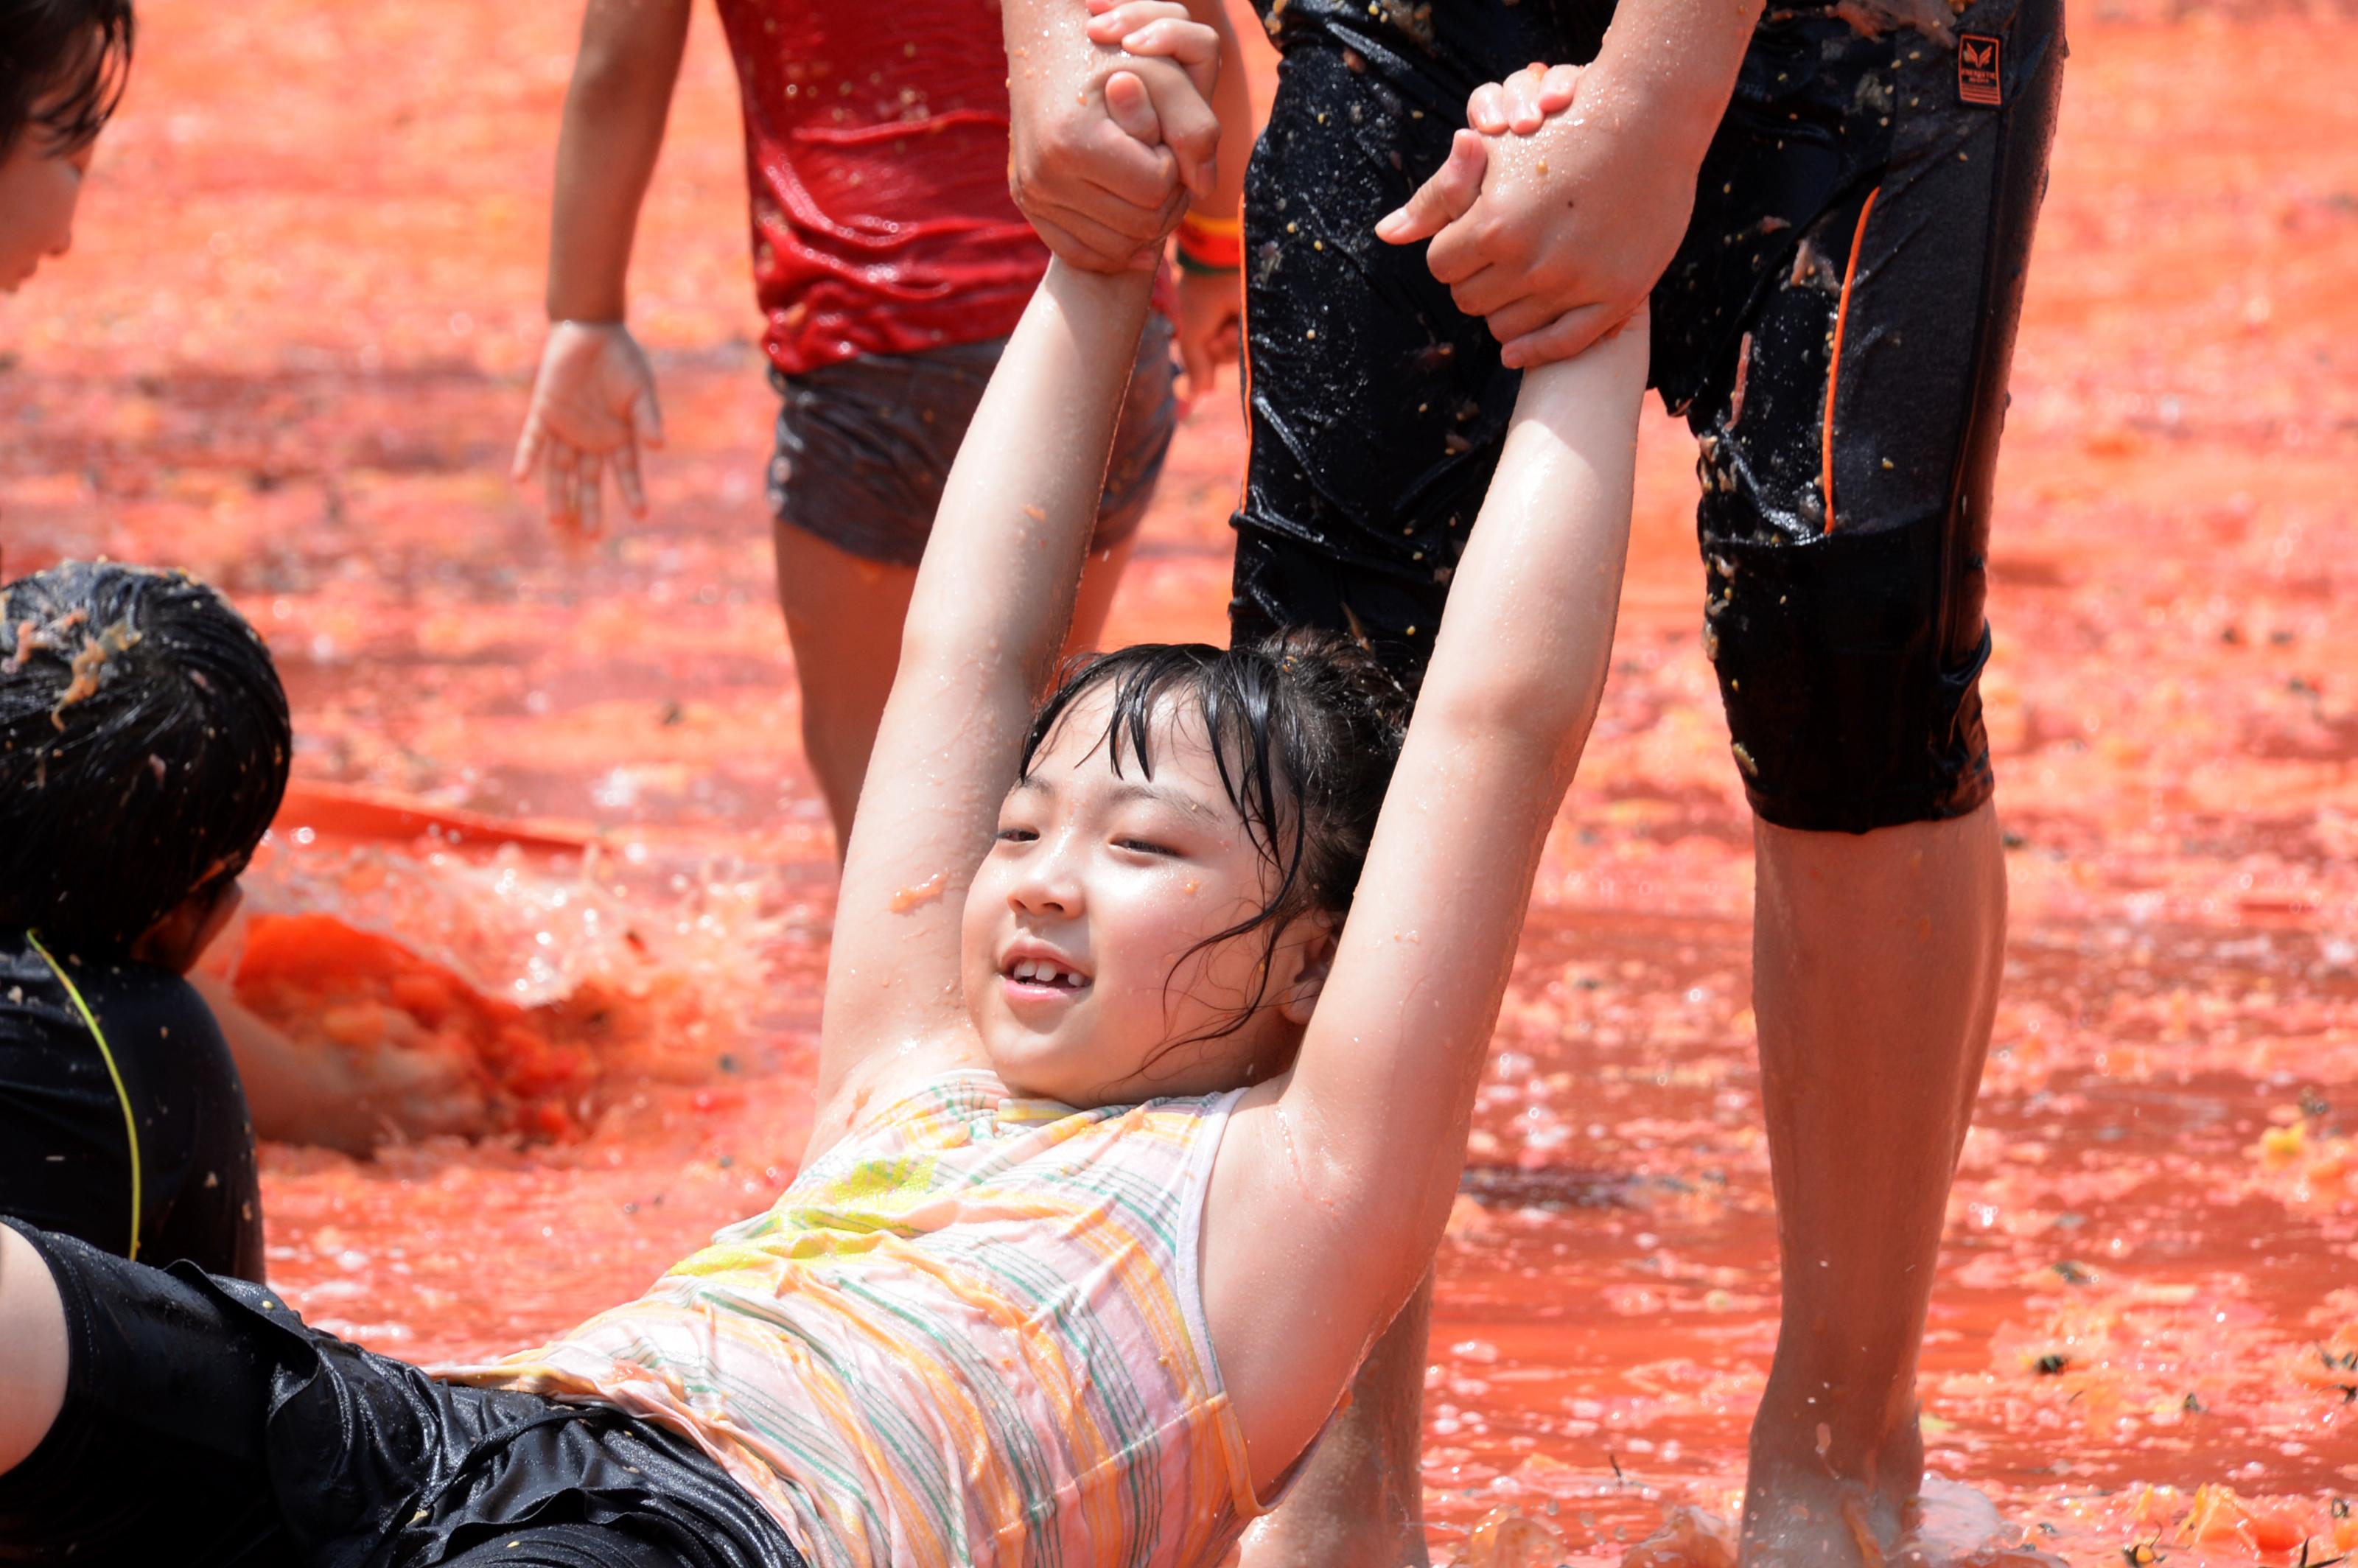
[1828, 209]
[890, 265]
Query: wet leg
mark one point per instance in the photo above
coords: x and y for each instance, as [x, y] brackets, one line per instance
[1358, 1502]
[1875, 968]
[843, 617]
[32, 1350]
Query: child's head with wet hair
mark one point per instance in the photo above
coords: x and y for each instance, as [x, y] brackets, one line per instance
[143, 748]
[1174, 864]
[62, 69]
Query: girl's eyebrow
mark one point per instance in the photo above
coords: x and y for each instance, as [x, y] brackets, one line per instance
[1122, 793]
[1130, 790]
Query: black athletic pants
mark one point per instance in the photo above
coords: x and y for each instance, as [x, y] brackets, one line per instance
[206, 1426]
[1861, 229]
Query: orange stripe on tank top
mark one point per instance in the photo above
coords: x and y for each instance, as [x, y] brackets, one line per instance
[1833, 364]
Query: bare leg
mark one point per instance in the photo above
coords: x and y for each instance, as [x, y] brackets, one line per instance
[843, 617]
[32, 1350]
[1876, 963]
[1358, 1502]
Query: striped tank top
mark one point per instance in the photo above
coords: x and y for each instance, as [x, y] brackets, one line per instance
[969, 1333]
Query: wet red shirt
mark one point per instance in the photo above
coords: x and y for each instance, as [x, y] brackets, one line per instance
[876, 156]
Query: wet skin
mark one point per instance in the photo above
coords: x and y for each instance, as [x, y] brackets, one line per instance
[2119, 850]
[33, 1333]
[1876, 964]
[1084, 969]
[843, 618]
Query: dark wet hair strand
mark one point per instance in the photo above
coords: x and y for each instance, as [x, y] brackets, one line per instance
[144, 748]
[63, 66]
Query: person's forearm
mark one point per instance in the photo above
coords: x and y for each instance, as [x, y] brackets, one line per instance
[1529, 623]
[1047, 46]
[994, 594]
[1059, 25]
[1232, 101]
[1669, 65]
[614, 114]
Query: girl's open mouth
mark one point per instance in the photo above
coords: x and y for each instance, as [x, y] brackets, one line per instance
[1043, 978]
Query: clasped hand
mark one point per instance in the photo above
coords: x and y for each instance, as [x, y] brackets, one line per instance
[1112, 130]
[1557, 210]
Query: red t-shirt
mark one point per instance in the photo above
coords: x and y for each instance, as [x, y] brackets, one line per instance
[876, 157]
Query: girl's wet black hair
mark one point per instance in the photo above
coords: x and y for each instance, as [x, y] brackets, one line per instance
[1304, 728]
[63, 64]
[144, 746]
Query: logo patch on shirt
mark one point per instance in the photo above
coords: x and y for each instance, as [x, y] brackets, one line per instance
[1977, 69]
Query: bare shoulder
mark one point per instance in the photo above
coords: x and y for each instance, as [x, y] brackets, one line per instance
[1283, 1300]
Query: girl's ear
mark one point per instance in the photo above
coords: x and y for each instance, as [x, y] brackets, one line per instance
[1316, 950]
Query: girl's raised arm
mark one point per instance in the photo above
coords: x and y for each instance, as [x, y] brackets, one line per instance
[1333, 1185]
[992, 603]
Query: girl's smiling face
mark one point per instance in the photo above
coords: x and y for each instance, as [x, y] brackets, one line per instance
[1095, 965]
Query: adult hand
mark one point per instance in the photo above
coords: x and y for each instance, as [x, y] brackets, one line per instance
[1100, 197]
[593, 406]
[1568, 223]
[1210, 310]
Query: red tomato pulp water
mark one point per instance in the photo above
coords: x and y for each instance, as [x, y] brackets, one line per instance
[554, 839]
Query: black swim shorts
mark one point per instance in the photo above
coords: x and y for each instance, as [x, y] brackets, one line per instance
[206, 1426]
[864, 447]
[1836, 327]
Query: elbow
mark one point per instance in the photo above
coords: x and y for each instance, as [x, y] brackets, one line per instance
[1539, 713]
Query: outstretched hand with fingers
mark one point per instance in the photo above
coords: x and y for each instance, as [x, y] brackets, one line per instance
[1555, 215]
[593, 408]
